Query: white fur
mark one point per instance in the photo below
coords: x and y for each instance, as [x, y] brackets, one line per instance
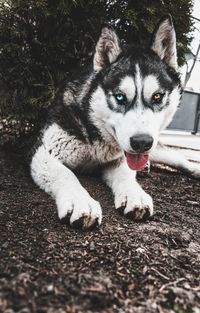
[150, 86]
[94, 154]
[127, 86]
[175, 159]
[127, 192]
[135, 122]
[50, 174]
[78, 203]
[100, 114]
[138, 83]
[56, 179]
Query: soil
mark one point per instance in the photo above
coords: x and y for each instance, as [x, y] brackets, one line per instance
[123, 266]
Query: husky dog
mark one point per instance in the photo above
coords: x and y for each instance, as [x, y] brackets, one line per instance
[110, 118]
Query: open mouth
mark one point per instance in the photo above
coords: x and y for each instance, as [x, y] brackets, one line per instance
[137, 161]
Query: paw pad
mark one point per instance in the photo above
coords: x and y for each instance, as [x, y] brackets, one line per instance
[139, 214]
[85, 222]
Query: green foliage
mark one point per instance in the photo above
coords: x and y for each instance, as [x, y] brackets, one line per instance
[42, 41]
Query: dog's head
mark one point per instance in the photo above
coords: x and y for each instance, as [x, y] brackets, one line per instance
[137, 90]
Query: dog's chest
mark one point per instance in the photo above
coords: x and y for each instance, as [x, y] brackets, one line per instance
[76, 154]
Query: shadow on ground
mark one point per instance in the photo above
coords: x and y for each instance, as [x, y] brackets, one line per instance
[121, 267]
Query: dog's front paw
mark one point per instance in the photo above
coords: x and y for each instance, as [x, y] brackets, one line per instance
[81, 209]
[135, 203]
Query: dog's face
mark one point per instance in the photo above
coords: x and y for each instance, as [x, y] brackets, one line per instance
[138, 91]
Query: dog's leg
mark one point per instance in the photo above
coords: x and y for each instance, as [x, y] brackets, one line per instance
[129, 196]
[71, 198]
[175, 159]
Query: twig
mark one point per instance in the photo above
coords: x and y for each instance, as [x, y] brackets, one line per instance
[159, 273]
[94, 289]
[120, 274]
[172, 283]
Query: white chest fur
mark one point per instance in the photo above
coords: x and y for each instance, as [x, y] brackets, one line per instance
[74, 152]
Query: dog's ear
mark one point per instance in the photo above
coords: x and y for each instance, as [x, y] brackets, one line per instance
[107, 49]
[164, 41]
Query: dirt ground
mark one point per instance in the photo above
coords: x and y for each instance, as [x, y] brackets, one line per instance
[45, 266]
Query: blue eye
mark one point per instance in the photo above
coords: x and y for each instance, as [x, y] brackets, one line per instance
[120, 98]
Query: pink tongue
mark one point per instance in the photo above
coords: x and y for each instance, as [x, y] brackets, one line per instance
[137, 162]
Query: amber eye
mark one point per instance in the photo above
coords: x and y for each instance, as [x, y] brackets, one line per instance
[157, 97]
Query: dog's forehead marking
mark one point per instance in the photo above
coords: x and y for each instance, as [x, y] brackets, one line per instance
[138, 81]
[150, 86]
[127, 86]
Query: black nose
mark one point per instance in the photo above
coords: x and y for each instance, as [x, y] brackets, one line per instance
[141, 143]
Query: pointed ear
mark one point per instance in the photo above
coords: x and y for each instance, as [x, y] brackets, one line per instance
[164, 41]
[107, 49]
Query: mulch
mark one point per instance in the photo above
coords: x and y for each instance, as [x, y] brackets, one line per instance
[123, 266]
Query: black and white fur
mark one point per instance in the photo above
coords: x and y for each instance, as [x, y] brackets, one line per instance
[89, 129]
